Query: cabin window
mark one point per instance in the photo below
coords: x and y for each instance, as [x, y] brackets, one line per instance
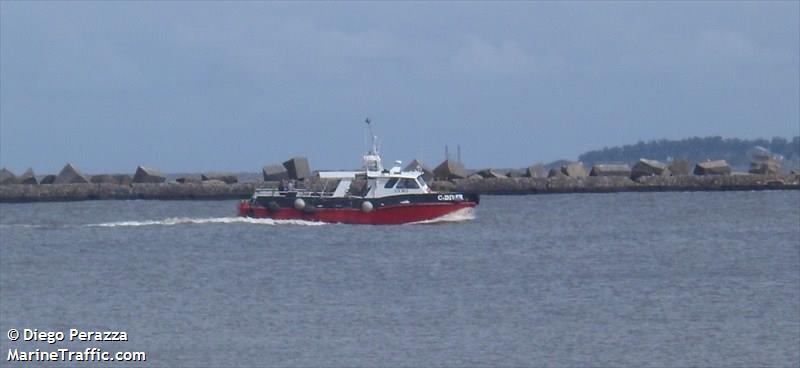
[390, 184]
[421, 181]
[408, 184]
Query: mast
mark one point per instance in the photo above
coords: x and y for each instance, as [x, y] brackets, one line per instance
[374, 138]
[372, 160]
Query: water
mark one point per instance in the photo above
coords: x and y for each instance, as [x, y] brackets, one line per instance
[630, 279]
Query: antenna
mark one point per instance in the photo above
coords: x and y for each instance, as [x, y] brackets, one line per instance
[374, 138]
[419, 144]
[459, 153]
[364, 147]
[422, 129]
[446, 153]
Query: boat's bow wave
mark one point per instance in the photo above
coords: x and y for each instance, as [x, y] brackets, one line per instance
[464, 214]
[211, 220]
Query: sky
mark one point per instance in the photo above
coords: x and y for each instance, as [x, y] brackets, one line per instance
[233, 86]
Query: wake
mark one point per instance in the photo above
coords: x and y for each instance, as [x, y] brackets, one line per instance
[464, 214]
[211, 220]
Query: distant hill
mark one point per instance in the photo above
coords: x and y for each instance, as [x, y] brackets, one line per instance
[696, 149]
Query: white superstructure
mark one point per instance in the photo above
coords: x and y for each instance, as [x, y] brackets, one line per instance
[380, 182]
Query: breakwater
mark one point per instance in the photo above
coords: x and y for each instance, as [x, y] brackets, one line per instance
[611, 184]
[499, 186]
[91, 191]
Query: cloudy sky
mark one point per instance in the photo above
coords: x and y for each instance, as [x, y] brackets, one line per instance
[185, 86]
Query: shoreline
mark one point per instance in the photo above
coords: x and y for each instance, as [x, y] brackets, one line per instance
[22, 193]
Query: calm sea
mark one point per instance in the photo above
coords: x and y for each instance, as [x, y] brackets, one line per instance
[629, 279]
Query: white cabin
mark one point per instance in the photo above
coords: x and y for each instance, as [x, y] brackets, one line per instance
[380, 182]
[395, 182]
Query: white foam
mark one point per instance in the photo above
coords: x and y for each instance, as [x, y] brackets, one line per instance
[27, 226]
[464, 214]
[212, 220]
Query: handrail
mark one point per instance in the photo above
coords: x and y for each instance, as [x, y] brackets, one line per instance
[284, 193]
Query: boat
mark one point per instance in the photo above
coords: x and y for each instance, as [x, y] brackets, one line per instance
[373, 195]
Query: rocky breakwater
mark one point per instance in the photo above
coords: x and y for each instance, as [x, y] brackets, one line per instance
[72, 185]
[87, 191]
[610, 184]
[647, 175]
[146, 183]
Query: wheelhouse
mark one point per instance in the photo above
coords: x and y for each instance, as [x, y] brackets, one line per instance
[403, 182]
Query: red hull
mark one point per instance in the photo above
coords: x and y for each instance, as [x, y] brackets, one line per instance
[390, 215]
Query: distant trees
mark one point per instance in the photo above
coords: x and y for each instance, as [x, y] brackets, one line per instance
[694, 149]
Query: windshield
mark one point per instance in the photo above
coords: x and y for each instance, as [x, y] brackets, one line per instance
[421, 181]
[390, 184]
[408, 184]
